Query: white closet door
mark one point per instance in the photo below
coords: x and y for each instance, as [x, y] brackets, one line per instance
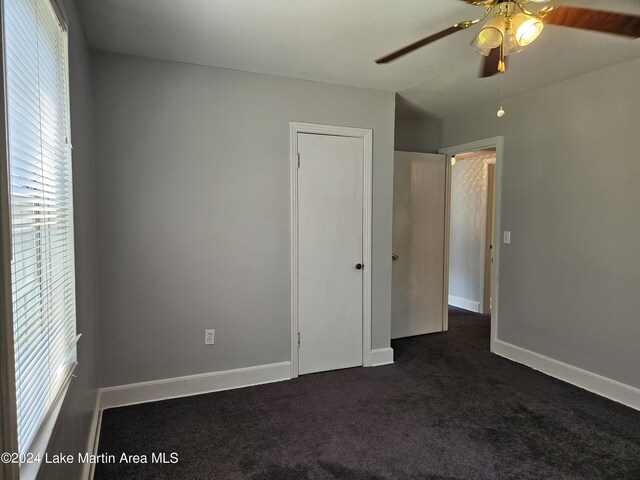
[330, 234]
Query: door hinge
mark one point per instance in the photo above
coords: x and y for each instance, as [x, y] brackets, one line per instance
[298, 338]
[298, 160]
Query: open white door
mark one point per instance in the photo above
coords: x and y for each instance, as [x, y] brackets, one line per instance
[330, 252]
[419, 200]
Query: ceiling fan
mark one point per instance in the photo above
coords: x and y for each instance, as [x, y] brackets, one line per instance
[512, 27]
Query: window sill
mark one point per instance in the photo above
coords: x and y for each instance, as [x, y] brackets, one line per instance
[38, 448]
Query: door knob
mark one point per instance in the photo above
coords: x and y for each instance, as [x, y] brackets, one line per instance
[359, 266]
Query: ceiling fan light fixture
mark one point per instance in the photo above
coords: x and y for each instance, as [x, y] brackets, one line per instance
[492, 32]
[481, 49]
[526, 28]
[510, 45]
[513, 27]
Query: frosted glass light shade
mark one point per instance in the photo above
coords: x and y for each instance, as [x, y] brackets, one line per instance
[481, 49]
[511, 45]
[491, 34]
[526, 28]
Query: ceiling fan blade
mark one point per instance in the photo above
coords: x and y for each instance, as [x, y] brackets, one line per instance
[490, 63]
[421, 43]
[596, 20]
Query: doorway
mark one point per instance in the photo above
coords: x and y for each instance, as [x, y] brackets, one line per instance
[471, 230]
[472, 224]
[331, 247]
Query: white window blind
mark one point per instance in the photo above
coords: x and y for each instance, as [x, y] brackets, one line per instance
[41, 209]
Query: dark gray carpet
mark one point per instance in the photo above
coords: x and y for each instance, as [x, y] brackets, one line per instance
[447, 409]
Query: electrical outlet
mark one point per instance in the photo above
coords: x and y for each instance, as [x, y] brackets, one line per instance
[209, 336]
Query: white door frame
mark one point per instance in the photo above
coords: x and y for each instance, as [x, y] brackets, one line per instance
[367, 137]
[485, 252]
[498, 144]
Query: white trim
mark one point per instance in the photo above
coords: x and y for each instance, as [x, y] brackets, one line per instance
[88, 469]
[603, 386]
[143, 392]
[486, 253]
[367, 137]
[381, 356]
[464, 303]
[447, 243]
[92, 467]
[165, 389]
[498, 143]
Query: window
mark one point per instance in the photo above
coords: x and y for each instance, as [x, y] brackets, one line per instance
[42, 264]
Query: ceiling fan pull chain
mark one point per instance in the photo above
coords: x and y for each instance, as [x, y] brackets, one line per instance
[502, 70]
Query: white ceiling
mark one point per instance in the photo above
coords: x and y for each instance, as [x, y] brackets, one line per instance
[337, 41]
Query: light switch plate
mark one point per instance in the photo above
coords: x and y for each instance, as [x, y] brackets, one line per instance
[506, 238]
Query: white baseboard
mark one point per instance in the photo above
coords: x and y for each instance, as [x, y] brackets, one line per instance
[94, 438]
[381, 356]
[603, 386]
[193, 384]
[464, 303]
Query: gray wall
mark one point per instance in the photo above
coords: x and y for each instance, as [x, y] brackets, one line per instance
[417, 134]
[192, 171]
[570, 278]
[72, 429]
